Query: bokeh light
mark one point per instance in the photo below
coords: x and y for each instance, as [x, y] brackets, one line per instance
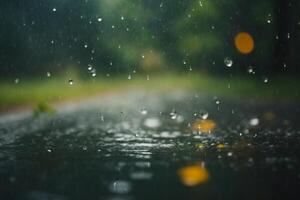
[244, 42]
[193, 175]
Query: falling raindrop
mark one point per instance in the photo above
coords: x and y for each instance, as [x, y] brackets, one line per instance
[204, 115]
[148, 77]
[102, 118]
[99, 19]
[228, 62]
[173, 114]
[17, 81]
[71, 82]
[129, 77]
[266, 80]
[54, 9]
[250, 70]
[48, 74]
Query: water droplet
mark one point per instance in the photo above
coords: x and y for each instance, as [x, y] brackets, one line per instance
[85, 46]
[49, 150]
[269, 21]
[250, 70]
[129, 77]
[122, 18]
[17, 81]
[200, 3]
[144, 111]
[71, 82]
[48, 74]
[254, 121]
[152, 122]
[229, 154]
[204, 115]
[228, 62]
[266, 80]
[217, 102]
[102, 118]
[147, 77]
[99, 19]
[173, 114]
[120, 187]
[54, 9]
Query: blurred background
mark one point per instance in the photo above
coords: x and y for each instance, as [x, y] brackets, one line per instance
[222, 46]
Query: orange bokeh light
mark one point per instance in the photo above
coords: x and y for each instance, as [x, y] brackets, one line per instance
[193, 175]
[244, 42]
[205, 125]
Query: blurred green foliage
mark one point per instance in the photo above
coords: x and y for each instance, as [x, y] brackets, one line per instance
[117, 36]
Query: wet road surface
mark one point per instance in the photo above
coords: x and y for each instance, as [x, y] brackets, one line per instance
[139, 145]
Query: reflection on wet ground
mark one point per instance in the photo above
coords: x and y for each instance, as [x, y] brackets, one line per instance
[153, 146]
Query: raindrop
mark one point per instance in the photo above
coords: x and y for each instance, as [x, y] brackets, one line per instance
[147, 77]
[144, 111]
[54, 9]
[229, 154]
[250, 70]
[152, 123]
[102, 118]
[17, 81]
[122, 18]
[120, 187]
[48, 74]
[228, 62]
[99, 19]
[254, 121]
[173, 114]
[200, 3]
[85, 46]
[269, 21]
[217, 102]
[129, 77]
[71, 82]
[204, 115]
[266, 80]
[49, 150]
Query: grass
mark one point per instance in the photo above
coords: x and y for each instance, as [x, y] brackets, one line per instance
[33, 92]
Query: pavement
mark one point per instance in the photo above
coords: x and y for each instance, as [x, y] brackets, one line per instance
[150, 145]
